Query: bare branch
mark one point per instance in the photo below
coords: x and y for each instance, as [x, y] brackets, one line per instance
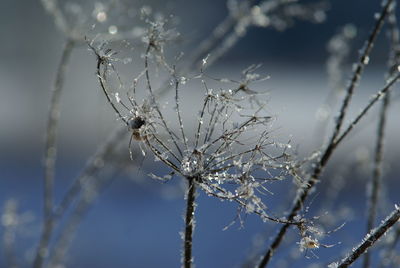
[369, 240]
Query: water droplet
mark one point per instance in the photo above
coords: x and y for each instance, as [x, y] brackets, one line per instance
[183, 80]
[365, 60]
[101, 16]
[117, 98]
[113, 29]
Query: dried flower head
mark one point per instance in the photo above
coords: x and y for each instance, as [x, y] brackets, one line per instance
[228, 152]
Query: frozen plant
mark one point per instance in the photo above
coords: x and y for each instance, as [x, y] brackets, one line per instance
[229, 154]
[226, 150]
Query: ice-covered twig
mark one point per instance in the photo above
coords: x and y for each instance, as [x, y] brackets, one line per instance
[369, 240]
[375, 183]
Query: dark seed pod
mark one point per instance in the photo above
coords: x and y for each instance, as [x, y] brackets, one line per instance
[136, 123]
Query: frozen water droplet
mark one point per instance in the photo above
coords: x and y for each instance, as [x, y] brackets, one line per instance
[365, 60]
[117, 98]
[204, 61]
[113, 29]
[183, 80]
[101, 16]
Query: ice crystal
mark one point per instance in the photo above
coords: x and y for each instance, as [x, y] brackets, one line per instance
[308, 243]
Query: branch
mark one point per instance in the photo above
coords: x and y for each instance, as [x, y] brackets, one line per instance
[189, 223]
[364, 111]
[369, 240]
[51, 152]
[363, 61]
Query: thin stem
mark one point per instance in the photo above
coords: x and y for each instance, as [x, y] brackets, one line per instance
[370, 239]
[375, 184]
[200, 123]
[315, 177]
[154, 101]
[51, 152]
[178, 111]
[363, 61]
[364, 111]
[376, 180]
[51, 131]
[335, 66]
[103, 85]
[189, 223]
[160, 156]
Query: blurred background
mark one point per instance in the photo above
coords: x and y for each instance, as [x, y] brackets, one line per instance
[135, 221]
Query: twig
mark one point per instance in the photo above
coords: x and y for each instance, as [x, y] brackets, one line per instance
[104, 61]
[375, 184]
[178, 111]
[189, 223]
[305, 190]
[339, 50]
[364, 111]
[51, 152]
[153, 97]
[363, 61]
[369, 239]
